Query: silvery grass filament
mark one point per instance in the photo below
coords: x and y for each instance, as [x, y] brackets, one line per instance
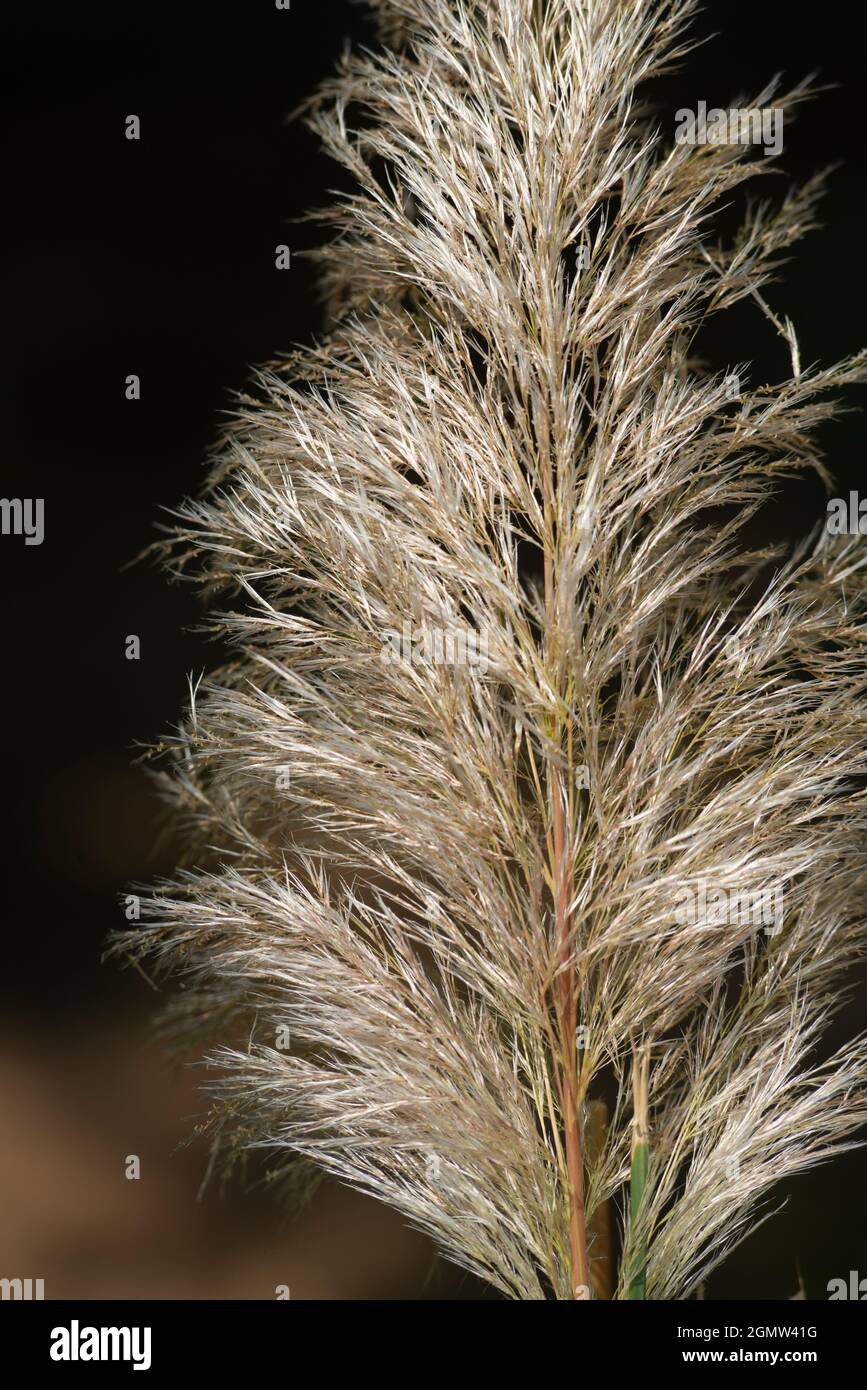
[519, 759]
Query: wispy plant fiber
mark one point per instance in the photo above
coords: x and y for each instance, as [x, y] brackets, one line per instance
[453, 884]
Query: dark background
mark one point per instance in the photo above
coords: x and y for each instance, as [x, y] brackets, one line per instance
[157, 258]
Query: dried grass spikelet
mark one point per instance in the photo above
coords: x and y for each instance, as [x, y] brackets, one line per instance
[432, 873]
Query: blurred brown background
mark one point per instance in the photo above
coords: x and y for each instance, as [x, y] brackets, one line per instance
[69, 1214]
[84, 1086]
[157, 258]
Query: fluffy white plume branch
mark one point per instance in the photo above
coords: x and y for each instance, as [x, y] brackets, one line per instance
[453, 882]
